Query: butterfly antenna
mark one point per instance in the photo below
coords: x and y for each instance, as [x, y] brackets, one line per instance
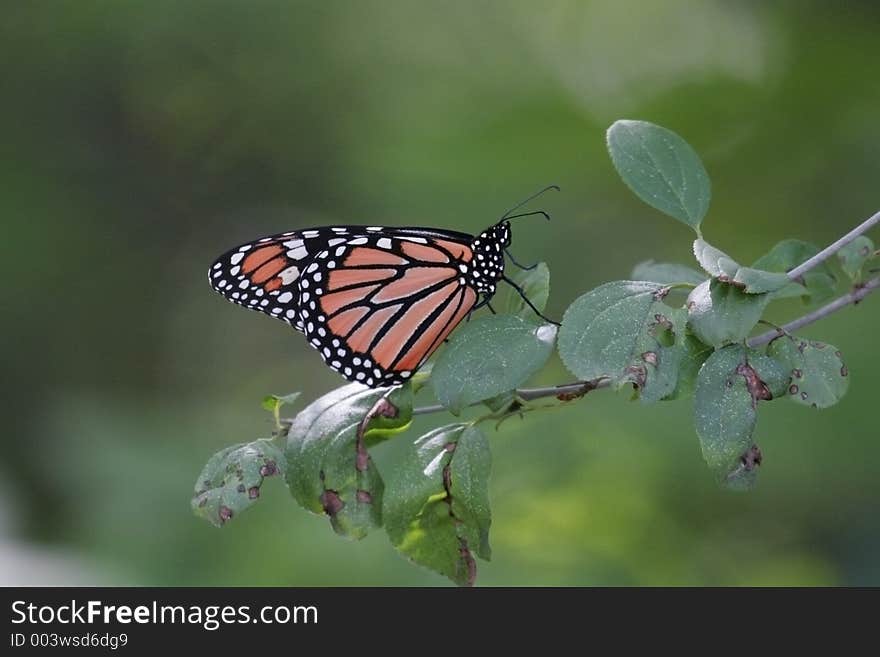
[544, 214]
[526, 299]
[507, 215]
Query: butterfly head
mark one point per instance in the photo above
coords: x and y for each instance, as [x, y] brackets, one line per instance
[488, 261]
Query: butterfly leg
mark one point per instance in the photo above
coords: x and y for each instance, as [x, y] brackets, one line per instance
[526, 299]
[523, 267]
[483, 302]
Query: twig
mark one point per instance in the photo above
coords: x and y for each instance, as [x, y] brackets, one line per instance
[564, 392]
[830, 250]
[853, 297]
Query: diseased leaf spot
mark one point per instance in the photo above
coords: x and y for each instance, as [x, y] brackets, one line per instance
[331, 502]
[793, 389]
[225, 514]
[757, 388]
[637, 374]
[752, 458]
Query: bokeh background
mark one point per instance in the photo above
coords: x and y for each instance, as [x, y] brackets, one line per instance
[141, 139]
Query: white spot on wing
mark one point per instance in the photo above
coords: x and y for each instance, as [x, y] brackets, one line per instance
[289, 275]
[298, 253]
[384, 243]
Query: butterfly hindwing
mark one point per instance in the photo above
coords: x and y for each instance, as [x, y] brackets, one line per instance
[377, 306]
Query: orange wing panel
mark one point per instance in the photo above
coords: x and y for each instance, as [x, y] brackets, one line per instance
[361, 339]
[413, 281]
[330, 303]
[430, 337]
[345, 277]
[458, 251]
[411, 323]
[259, 256]
[342, 323]
[364, 255]
[423, 253]
[268, 270]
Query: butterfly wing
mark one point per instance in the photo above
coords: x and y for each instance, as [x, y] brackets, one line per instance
[263, 275]
[374, 302]
[377, 306]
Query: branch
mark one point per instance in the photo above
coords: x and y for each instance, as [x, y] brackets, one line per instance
[851, 298]
[564, 392]
[830, 250]
[576, 389]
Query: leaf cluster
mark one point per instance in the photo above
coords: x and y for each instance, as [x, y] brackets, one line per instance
[670, 332]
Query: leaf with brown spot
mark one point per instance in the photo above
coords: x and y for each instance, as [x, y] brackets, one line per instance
[436, 507]
[329, 468]
[624, 331]
[724, 268]
[730, 384]
[219, 498]
[819, 377]
[854, 255]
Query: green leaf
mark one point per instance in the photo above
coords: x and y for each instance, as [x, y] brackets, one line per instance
[726, 269]
[815, 285]
[624, 331]
[666, 273]
[271, 402]
[662, 169]
[720, 313]
[536, 285]
[854, 255]
[471, 465]
[729, 387]
[437, 506]
[231, 480]
[693, 354]
[724, 412]
[329, 469]
[818, 376]
[489, 356]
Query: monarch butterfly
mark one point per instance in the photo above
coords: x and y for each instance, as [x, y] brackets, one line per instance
[375, 302]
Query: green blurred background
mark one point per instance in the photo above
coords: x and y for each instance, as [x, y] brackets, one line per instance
[141, 139]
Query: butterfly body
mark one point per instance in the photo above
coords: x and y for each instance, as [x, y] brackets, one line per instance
[374, 302]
